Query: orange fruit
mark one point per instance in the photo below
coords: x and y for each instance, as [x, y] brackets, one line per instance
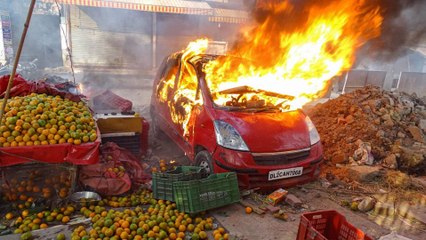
[181, 235]
[65, 219]
[125, 224]
[182, 228]
[37, 220]
[25, 213]
[203, 235]
[217, 236]
[151, 234]
[249, 210]
[9, 216]
[124, 235]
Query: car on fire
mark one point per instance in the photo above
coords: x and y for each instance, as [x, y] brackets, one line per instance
[265, 144]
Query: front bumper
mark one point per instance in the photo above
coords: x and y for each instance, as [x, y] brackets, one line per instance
[253, 175]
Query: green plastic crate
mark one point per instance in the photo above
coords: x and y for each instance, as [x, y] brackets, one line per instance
[162, 183]
[199, 195]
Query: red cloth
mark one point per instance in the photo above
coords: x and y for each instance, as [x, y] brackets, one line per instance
[86, 153]
[22, 87]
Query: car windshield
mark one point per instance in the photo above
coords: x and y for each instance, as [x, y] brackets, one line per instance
[247, 98]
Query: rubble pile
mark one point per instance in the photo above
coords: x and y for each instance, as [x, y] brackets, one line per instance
[372, 126]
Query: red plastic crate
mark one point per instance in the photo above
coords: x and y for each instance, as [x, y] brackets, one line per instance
[111, 101]
[328, 225]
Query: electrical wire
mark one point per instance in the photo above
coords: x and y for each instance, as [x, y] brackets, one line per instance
[66, 42]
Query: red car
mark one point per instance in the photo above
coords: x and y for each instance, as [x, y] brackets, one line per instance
[266, 146]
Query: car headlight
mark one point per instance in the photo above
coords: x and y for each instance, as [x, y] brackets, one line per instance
[228, 137]
[313, 133]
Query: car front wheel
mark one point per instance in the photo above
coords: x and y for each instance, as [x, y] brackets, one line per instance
[204, 159]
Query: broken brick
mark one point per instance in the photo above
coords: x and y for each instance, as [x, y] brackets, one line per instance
[272, 209]
[293, 201]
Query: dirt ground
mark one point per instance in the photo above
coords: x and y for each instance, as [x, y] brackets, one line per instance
[314, 197]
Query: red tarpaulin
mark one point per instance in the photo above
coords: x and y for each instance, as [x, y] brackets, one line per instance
[86, 153]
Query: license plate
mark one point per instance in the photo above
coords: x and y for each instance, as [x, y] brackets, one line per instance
[285, 173]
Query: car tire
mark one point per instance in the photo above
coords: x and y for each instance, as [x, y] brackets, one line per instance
[204, 159]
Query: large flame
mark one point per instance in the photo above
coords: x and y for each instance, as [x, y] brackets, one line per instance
[296, 55]
[184, 97]
[285, 61]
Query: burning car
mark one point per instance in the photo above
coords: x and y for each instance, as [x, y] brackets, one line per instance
[251, 131]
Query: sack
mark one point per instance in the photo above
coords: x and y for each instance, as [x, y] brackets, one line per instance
[97, 178]
[102, 179]
[112, 152]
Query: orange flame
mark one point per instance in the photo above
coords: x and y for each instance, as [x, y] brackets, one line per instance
[298, 60]
[184, 98]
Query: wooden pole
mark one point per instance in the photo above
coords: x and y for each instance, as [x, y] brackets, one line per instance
[18, 55]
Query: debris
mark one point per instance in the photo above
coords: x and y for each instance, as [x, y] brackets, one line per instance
[363, 154]
[245, 193]
[366, 204]
[365, 173]
[421, 182]
[422, 124]
[382, 191]
[254, 208]
[417, 134]
[394, 236]
[390, 162]
[305, 206]
[272, 209]
[281, 215]
[354, 206]
[276, 196]
[325, 184]
[397, 179]
[338, 157]
[384, 209]
[382, 121]
[293, 201]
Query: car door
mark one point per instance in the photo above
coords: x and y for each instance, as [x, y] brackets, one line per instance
[164, 96]
[186, 97]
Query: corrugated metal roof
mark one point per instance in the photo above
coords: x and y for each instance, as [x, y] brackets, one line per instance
[165, 6]
[222, 12]
[229, 16]
[169, 3]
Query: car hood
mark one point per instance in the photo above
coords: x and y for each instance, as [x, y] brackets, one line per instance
[269, 132]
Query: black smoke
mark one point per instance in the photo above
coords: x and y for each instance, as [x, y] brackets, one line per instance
[404, 26]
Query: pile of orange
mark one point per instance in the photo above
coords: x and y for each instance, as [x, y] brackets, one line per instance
[28, 222]
[147, 219]
[40, 119]
[37, 184]
[163, 166]
[160, 220]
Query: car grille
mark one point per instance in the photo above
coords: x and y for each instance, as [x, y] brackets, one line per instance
[270, 159]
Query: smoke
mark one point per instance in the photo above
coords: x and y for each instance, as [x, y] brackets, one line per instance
[43, 38]
[404, 26]
[123, 57]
